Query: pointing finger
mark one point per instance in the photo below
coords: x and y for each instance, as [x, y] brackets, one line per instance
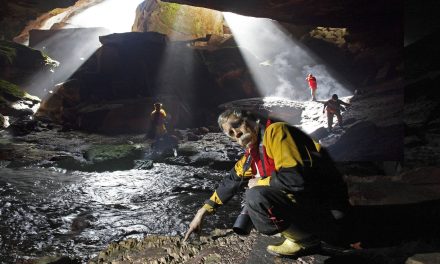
[188, 233]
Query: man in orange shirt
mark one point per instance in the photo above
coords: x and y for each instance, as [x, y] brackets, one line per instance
[157, 124]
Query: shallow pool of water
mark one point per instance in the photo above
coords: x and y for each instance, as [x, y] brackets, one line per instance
[51, 211]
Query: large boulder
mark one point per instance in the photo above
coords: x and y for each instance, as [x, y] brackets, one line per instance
[178, 22]
[60, 106]
[16, 102]
[19, 63]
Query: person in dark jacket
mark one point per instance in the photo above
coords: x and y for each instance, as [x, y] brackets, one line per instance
[293, 186]
[333, 107]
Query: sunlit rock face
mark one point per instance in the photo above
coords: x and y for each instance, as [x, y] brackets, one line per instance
[86, 14]
[57, 15]
[178, 22]
[14, 15]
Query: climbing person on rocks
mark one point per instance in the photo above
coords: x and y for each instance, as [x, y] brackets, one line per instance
[157, 122]
[333, 107]
[313, 85]
[293, 185]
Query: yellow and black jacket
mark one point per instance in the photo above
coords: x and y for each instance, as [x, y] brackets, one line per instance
[158, 119]
[289, 160]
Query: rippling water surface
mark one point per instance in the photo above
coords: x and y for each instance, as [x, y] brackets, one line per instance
[49, 211]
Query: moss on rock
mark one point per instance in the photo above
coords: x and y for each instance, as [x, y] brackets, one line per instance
[2, 120]
[12, 92]
[7, 54]
[182, 22]
[23, 57]
[102, 153]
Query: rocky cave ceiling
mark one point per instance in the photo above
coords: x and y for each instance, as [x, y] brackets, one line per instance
[343, 13]
[382, 17]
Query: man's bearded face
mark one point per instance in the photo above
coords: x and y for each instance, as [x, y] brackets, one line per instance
[240, 131]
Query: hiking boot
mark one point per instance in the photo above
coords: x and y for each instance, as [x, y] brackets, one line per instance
[297, 243]
[290, 248]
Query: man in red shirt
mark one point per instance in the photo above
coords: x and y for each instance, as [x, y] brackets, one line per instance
[312, 85]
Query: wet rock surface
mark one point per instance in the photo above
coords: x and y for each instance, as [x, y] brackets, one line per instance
[222, 246]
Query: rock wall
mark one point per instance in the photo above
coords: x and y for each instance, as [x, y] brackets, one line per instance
[14, 15]
[115, 89]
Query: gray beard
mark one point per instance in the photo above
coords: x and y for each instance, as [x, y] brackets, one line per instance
[245, 139]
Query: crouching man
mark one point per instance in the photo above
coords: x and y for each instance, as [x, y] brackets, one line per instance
[299, 193]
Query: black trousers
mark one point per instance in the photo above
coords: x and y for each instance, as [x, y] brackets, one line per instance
[273, 211]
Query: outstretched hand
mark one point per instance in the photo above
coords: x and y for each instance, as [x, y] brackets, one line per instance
[196, 223]
[252, 182]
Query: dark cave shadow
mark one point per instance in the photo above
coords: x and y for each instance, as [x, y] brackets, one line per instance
[392, 233]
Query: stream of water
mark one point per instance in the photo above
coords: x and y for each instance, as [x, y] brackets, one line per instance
[51, 211]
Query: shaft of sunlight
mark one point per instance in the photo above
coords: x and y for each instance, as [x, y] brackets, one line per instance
[115, 15]
[277, 63]
[79, 39]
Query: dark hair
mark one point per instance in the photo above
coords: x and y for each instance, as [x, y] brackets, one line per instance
[335, 96]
